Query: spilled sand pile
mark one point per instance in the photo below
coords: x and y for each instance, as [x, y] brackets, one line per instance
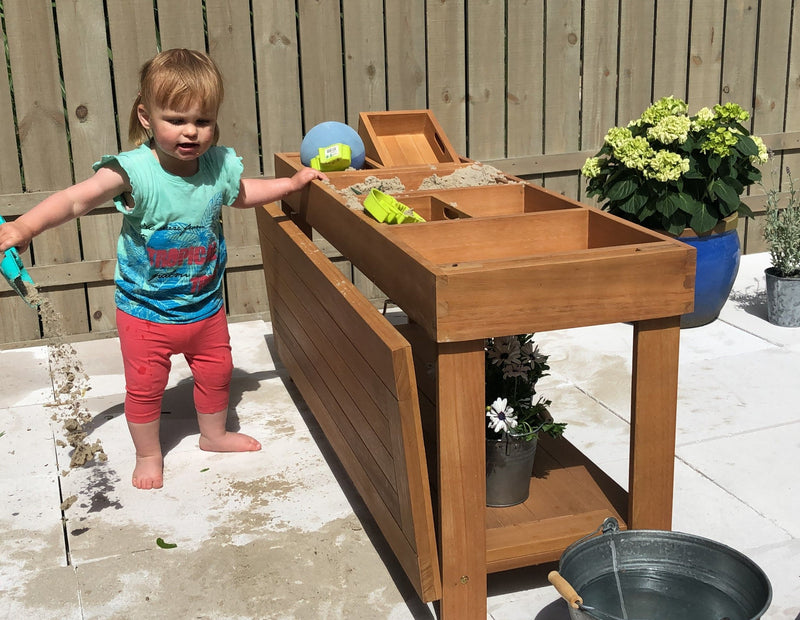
[70, 384]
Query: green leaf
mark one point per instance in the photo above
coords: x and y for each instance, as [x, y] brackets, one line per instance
[747, 147]
[702, 221]
[165, 545]
[621, 189]
[204, 469]
[725, 193]
[2, 433]
[633, 204]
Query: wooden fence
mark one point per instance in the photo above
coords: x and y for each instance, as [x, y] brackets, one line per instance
[528, 86]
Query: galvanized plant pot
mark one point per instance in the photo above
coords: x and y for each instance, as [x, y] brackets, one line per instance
[509, 466]
[783, 299]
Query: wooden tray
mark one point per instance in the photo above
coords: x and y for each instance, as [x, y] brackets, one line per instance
[406, 138]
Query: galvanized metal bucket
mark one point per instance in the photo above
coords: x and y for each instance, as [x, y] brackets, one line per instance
[658, 575]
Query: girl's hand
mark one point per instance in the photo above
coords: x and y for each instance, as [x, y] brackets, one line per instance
[304, 176]
[14, 235]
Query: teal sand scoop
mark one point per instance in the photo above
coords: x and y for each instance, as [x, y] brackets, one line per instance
[15, 273]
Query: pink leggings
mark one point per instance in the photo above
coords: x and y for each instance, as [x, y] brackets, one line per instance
[146, 351]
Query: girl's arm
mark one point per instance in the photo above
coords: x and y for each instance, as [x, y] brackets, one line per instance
[257, 192]
[63, 206]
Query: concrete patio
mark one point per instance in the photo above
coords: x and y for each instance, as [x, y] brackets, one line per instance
[281, 534]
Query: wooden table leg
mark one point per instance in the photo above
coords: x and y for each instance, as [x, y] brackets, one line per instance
[462, 480]
[654, 402]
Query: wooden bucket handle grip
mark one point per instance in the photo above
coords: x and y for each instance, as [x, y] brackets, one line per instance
[565, 589]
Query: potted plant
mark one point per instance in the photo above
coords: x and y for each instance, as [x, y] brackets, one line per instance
[782, 234]
[684, 175]
[515, 416]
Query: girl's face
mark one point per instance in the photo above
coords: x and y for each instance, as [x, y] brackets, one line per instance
[180, 137]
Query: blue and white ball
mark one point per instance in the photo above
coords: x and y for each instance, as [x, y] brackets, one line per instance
[332, 132]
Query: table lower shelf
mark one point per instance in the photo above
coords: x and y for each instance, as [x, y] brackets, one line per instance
[569, 498]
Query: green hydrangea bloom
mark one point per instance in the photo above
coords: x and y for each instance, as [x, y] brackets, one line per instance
[664, 107]
[671, 129]
[731, 113]
[704, 119]
[763, 152]
[591, 168]
[666, 166]
[720, 141]
[617, 136]
[634, 153]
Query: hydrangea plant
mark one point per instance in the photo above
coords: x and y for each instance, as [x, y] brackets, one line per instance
[513, 366]
[670, 171]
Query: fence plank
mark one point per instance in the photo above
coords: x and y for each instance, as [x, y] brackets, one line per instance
[93, 132]
[405, 54]
[180, 24]
[10, 177]
[562, 88]
[43, 139]
[738, 63]
[230, 44]
[446, 82]
[132, 29]
[278, 75]
[600, 40]
[364, 57]
[705, 64]
[792, 160]
[670, 59]
[486, 116]
[525, 78]
[321, 56]
[636, 57]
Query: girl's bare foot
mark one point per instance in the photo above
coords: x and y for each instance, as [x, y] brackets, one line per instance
[149, 472]
[214, 437]
[229, 442]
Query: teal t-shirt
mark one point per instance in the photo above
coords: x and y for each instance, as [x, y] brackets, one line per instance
[171, 252]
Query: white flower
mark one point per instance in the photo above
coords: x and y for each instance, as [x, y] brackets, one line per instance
[501, 416]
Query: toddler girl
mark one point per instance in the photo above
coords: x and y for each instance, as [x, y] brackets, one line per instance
[171, 251]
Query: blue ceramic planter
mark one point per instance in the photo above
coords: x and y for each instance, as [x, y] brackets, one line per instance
[717, 265]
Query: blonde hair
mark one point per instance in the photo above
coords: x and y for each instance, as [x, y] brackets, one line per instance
[174, 79]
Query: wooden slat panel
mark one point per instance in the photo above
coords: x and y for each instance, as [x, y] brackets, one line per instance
[365, 58]
[321, 55]
[43, 139]
[525, 78]
[792, 160]
[180, 24]
[132, 29]
[671, 49]
[405, 54]
[446, 54]
[10, 180]
[600, 41]
[738, 64]
[486, 79]
[635, 56]
[562, 94]
[705, 62]
[306, 332]
[229, 43]
[93, 132]
[277, 67]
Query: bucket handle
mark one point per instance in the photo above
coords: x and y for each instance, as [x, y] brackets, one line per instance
[565, 589]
